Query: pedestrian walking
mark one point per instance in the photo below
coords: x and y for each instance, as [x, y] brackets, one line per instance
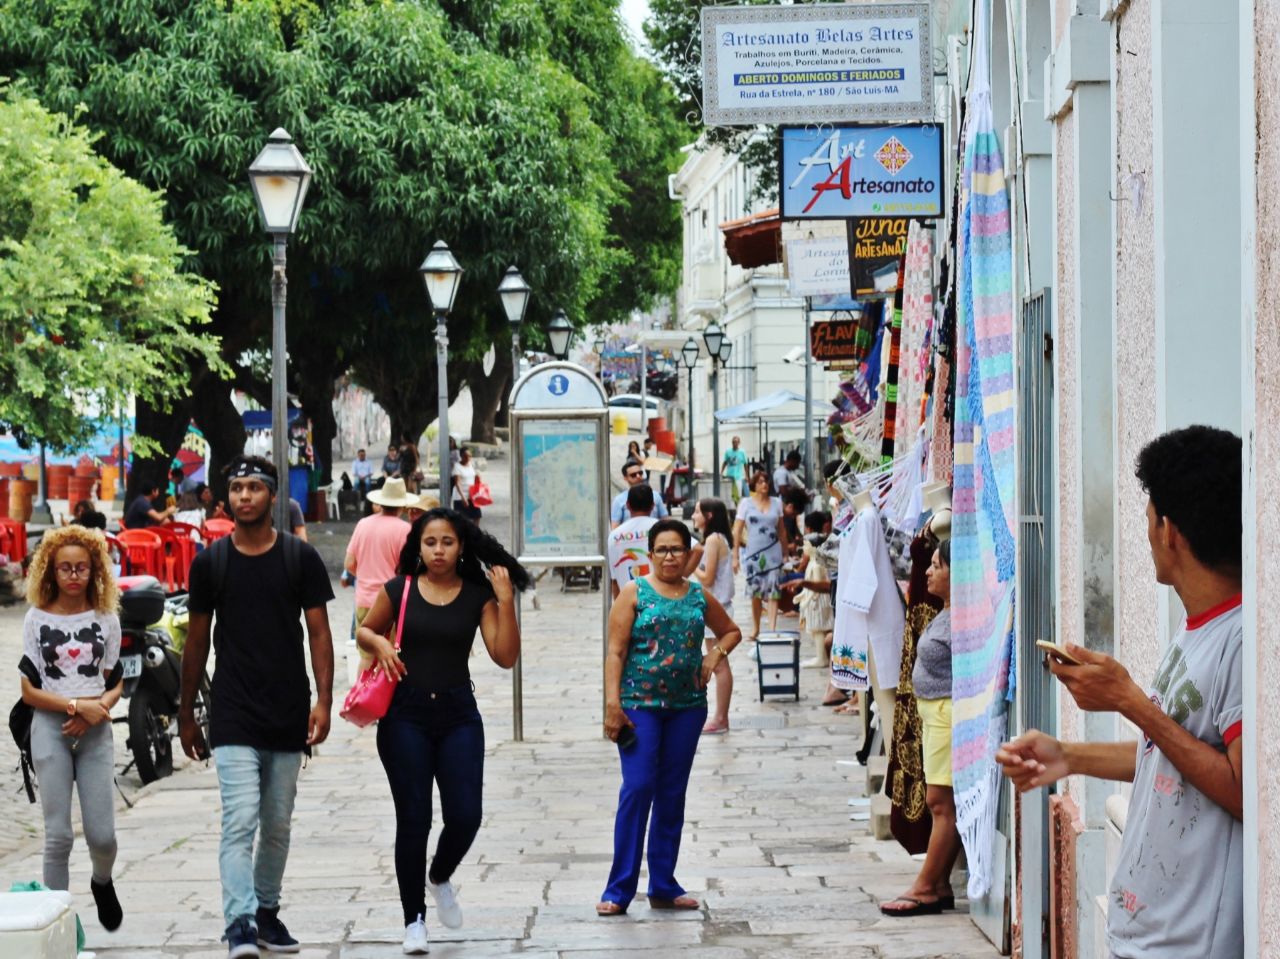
[432, 732]
[260, 582]
[734, 468]
[628, 545]
[715, 573]
[1178, 886]
[375, 546]
[71, 680]
[464, 481]
[758, 528]
[787, 476]
[655, 705]
[633, 473]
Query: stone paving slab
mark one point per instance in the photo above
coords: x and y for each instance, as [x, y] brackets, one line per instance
[767, 845]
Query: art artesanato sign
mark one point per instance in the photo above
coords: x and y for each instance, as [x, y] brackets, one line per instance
[816, 63]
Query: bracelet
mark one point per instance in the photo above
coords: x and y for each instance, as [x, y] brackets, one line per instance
[720, 649]
[72, 708]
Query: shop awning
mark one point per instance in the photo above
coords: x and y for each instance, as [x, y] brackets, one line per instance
[761, 406]
[754, 240]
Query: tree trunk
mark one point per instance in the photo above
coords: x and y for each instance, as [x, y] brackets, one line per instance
[486, 395]
[223, 427]
[503, 416]
[166, 427]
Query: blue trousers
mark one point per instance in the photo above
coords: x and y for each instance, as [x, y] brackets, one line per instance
[431, 737]
[655, 776]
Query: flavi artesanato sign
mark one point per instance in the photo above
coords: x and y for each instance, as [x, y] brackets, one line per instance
[813, 63]
[837, 173]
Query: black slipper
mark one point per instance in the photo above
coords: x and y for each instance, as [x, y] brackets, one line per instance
[835, 700]
[918, 908]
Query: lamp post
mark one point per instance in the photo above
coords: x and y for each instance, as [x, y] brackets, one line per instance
[560, 333]
[441, 275]
[689, 356]
[714, 339]
[514, 293]
[280, 178]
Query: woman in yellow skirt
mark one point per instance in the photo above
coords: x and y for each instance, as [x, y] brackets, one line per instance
[931, 892]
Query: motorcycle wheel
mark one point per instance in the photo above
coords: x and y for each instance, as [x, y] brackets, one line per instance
[149, 739]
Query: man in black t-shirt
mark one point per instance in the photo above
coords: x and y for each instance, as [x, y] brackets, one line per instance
[258, 582]
[142, 512]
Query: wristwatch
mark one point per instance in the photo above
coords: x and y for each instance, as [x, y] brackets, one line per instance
[71, 708]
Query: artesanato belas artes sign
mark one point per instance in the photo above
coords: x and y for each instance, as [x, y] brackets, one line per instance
[808, 63]
[833, 174]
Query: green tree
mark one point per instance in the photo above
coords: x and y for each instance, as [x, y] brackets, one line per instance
[93, 302]
[419, 126]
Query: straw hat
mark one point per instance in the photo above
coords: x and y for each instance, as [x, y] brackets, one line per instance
[425, 502]
[392, 494]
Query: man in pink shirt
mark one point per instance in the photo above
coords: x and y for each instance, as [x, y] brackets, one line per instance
[376, 542]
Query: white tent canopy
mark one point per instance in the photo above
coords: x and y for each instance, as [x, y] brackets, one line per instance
[763, 406]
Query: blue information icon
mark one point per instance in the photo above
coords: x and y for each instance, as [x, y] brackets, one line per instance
[558, 385]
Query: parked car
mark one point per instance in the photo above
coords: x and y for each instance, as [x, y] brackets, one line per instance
[630, 405]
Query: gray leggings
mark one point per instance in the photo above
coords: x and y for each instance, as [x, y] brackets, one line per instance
[89, 763]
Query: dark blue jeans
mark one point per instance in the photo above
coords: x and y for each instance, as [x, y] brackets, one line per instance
[424, 738]
[655, 775]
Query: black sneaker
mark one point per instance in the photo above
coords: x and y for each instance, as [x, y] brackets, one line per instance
[242, 940]
[109, 912]
[272, 934]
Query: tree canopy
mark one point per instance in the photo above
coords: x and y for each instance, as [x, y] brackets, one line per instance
[94, 305]
[517, 131]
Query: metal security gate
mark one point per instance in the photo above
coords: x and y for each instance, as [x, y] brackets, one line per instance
[1035, 598]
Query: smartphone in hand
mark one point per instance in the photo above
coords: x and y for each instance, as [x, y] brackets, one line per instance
[627, 737]
[1058, 653]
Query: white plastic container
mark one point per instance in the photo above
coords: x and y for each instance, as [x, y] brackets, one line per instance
[37, 925]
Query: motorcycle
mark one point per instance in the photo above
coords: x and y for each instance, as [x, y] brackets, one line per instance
[152, 633]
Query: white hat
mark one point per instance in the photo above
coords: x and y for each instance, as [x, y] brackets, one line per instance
[392, 494]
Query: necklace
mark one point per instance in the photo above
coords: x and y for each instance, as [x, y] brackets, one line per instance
[436, 595]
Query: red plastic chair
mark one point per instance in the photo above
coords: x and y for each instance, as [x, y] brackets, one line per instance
[173, 556]
[144, 550]
[119, 554]
[17, 539]
[215, 529]
[188, 537]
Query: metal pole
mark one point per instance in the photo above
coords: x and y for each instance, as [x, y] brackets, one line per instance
[279, 393]
[121, 495]
[693, 492]
[442, 401]
[42, 482]
[517, 508]
[644, 381]
[809, 474]
[517, 685]
[715, 426]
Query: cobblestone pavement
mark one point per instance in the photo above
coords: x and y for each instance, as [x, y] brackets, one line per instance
[768, 844]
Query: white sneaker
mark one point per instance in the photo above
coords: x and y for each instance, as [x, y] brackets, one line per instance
[447, 907]
[415, 938]
[814, 663]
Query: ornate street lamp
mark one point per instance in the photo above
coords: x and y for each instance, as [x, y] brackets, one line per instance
[514, 293]
[689, 356]
[441, 275]
[560, 333]
[715, 341]
[280, 178]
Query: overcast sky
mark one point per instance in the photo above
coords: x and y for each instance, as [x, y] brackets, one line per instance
[634, 13]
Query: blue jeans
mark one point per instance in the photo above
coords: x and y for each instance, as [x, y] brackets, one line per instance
[258, 787]
[432, 737]
[655, 776]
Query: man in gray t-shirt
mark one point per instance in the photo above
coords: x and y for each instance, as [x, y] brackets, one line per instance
[1178, 888]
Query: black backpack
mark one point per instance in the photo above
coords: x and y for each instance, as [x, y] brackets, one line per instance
[20, 729]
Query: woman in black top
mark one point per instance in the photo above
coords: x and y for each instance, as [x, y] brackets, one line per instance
[461, 580]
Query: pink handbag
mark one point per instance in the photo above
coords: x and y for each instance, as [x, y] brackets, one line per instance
[370, 695]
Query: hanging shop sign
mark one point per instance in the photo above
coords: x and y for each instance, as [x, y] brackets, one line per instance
[876, 247]
[816, 63]
[818, 267]
[833, 341]
[883, 171]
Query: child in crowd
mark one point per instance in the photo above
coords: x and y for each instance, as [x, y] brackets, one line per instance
[817, 615]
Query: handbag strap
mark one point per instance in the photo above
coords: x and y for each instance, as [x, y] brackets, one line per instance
[404, 601]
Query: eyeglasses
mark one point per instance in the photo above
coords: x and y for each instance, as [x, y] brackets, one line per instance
[634, 476]
[79, 571]
[669, 551]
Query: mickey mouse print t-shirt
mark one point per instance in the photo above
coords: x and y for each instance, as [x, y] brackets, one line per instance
[72, 654]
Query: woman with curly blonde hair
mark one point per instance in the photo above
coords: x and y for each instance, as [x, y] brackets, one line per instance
[71, 679]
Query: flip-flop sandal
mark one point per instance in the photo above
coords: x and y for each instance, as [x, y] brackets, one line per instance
[848, 708]
[835, 701]
[680, 902]
[947, 902]
[607, 908]
[918, 908]
[711, 729]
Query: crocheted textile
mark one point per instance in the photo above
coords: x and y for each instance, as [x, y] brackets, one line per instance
[917, 317]
[983, 550]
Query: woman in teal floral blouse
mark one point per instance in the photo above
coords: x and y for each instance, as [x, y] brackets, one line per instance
[655, 705]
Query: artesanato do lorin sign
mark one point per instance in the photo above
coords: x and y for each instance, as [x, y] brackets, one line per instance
[816, 63]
